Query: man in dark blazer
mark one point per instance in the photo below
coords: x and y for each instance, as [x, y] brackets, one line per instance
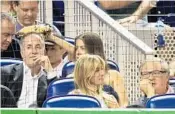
[9, 46]
[29, 81]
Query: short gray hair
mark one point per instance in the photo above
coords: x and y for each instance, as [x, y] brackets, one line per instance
[5, 16]
[163, 63]
[22, 39]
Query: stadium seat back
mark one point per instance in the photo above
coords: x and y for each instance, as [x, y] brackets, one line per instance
[172, 82]
[161, 101]
[60, 87]
[72, 101]
[5, 62]
[67, 69]
[7, 97]
[112, 65]
[70, 40]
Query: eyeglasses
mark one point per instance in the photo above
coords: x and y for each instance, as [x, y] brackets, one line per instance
[155, 73]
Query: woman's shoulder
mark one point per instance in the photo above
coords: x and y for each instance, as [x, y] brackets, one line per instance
[75, 91]
[110, 100]
[107, 96]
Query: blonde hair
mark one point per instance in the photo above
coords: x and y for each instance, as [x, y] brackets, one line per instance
[85, 69]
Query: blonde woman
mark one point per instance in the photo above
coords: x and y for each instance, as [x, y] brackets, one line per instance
[89, 74]
[91, 43]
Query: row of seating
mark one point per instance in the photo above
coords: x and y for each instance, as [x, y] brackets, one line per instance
[83, 101]
[69, 67]
[58, 90]
[72, 101]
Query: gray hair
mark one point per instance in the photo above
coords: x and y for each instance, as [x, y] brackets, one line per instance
[22, 39]
[5, 16]
[163, 63]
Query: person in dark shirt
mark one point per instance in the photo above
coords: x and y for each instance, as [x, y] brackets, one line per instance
[9, 49]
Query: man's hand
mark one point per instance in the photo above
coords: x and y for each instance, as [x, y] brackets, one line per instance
[147, 87]
[44, 62]
[128, 20]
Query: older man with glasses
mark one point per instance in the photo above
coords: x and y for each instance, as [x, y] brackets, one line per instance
[154, 79]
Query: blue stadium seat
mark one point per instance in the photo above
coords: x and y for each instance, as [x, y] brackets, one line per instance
[172, 82]
[72, 101]
[112, 65]
[161, 101]
[67, 69]
[7, 97]
[60, 87]
[70, 40]
[5, 62]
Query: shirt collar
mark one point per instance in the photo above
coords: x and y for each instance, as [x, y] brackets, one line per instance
[170, 90]
[27, 70]
[58, 67]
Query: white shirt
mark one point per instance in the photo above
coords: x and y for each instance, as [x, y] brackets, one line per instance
[59, 68]
[28, 97]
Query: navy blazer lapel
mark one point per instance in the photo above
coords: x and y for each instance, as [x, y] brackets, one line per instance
[17, 81]
[42, 89]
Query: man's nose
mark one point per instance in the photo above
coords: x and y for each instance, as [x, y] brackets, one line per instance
[29, 13]
[151, 77]
[34, 51]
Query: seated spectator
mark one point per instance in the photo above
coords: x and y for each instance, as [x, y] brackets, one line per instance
[154, 79]
[26, 14]
[56, 47]
[9, 47]
[55, 55]
[89, 78]
[29, 81]
[172, 69]
[127, 11]
[90, 43]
